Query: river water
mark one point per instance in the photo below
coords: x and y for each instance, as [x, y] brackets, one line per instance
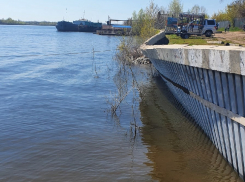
[57, 95]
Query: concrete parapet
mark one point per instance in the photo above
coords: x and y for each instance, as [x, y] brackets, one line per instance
[229, 59]
[153, 40]
[214, 42]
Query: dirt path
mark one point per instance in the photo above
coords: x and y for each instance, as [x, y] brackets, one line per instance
[232, 37]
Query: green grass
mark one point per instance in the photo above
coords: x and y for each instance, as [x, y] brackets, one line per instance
[232, 29]
[193, 40]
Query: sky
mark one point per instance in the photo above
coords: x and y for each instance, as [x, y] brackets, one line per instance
[93, 10]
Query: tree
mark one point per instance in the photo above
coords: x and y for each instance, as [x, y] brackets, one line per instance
[137, 22]
[203, 10]
[220, 16]
[144, 22]
[195, 9]
[198, 9]
[237, 8]
[175, 8]
[152, 10]
[234, 10]
[144, 25]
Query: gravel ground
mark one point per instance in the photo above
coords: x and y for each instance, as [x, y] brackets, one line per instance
[233, 37]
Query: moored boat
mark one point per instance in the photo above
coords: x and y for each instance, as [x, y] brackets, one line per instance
[65, 26]
[81, 25]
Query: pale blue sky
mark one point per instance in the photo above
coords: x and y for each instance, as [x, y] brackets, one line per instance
[55, 10]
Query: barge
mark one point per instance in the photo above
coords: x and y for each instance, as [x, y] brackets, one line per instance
[81, 25]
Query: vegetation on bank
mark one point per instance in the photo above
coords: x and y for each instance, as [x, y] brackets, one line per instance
[10, 21]
[148, 22]
[236, 9]
[144, 25]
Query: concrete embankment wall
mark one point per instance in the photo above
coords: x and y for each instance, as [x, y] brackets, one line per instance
[209, 81]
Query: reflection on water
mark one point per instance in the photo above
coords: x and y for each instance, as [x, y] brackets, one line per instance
[177, 149]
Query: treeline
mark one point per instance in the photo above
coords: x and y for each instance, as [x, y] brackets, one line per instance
[10, 21]
[234, 10]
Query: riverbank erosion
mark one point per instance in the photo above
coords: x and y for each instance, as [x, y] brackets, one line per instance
[209, 81]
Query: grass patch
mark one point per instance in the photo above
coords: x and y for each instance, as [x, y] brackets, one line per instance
[202, 40]
[193, 40]
[232, 29]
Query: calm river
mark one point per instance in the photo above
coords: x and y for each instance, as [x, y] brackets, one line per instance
[57, 93]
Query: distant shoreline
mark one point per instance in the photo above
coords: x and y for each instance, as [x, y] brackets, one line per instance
[10, 21]
[30, 24]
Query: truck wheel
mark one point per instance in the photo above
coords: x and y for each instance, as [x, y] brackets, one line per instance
[208, 33]
[184, 36]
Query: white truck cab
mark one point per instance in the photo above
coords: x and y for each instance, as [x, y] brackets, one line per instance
[209, 27]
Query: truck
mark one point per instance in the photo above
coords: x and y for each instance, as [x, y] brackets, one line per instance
[188, 24]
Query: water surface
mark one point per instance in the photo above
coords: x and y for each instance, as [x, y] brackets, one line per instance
[56, 124]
